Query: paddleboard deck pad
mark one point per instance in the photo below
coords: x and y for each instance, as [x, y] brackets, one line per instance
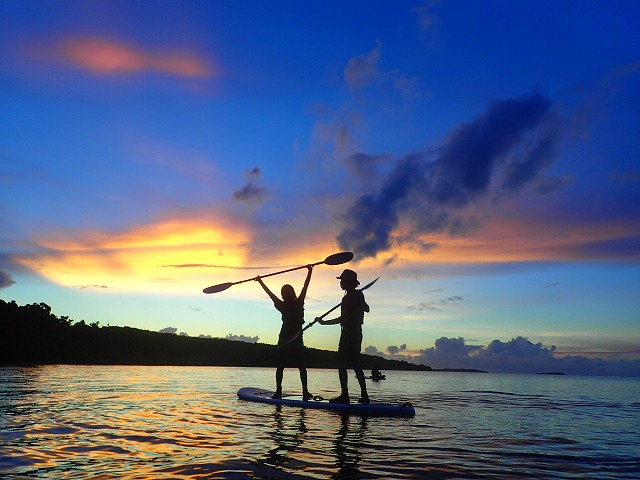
[372, 409]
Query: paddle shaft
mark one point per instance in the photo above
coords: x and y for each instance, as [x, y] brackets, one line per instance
[335, 259]
[314, 321]
[278, 273]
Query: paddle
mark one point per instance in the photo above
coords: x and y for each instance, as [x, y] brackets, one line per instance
[323, 315]
[335, 259]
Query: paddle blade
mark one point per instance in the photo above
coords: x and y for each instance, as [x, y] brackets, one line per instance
[338, 258]
[217, 288]
[369, 284]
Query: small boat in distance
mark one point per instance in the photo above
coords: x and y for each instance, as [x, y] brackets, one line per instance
[376, 374]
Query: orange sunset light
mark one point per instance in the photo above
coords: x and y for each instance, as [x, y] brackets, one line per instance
[511, 240]
[142, 257]
[105, 56]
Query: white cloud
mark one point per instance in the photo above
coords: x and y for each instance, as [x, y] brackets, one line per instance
[518, 355]
[242, 338]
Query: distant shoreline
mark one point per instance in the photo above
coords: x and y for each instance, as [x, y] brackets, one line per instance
[32, 335]
[458, 370]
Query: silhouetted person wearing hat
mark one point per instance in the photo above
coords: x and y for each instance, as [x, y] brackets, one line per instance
[352, 310]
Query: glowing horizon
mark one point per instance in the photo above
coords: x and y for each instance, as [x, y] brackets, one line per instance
[152, 152]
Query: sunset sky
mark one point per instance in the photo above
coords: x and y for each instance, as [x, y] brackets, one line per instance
[481, 157]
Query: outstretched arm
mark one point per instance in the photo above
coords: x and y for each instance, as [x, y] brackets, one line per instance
[266, 289]
[303, 292]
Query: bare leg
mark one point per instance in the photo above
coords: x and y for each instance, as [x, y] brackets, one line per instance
[342, 374]
[305, 388]
[279, 374]
[364, 396]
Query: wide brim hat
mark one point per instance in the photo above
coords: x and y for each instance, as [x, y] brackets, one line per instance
[349, 275]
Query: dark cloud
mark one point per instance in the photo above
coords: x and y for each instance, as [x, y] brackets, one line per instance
[242, 338]
[390, 260]
[424, 307]
[5, 279]
[371, 350]
[251, 193]
[171, 330]
[435, 306]
[363, 165]
[519, 355]
[507, 146]
[372, 218]
[468, 160]
[394, 350]
[455, 298]
[253, 174]
[522, 170]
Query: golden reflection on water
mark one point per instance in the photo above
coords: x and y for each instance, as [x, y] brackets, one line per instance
[112, 418]
[182, 422]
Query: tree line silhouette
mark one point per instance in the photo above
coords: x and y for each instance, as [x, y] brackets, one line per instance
[31, 334]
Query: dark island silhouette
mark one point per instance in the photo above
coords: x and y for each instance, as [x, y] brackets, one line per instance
[31, 334]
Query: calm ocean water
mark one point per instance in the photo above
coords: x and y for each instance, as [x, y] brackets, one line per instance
[136, 422]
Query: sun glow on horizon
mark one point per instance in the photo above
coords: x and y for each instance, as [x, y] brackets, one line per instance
[141, 258]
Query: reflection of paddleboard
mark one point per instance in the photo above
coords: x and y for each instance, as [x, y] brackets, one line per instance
[371, 409]
[375, 379]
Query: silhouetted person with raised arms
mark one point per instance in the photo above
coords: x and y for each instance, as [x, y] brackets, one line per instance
[290, 351]
[352, 310]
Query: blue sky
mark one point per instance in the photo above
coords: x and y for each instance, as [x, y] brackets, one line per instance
[482, 158]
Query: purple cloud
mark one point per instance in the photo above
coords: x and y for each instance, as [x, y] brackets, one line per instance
[251, 193]
[5, 280]
[518, 355]
[509, 144]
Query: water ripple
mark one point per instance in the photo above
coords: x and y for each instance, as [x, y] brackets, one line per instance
[178, 422]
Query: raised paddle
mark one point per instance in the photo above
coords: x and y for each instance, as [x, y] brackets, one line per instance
[335, 259]
[324, 315]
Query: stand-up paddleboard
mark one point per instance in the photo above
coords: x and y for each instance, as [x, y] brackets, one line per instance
[372, 409]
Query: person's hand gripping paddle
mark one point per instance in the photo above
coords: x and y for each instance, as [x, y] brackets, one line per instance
[335, 259]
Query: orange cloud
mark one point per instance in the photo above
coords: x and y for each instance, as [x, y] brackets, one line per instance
[520, 240]
[109, 57]
[137, 259]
